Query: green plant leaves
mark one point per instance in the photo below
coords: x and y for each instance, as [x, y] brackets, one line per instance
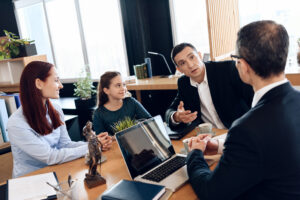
[127, 122]
[84, 87]
[10, 47]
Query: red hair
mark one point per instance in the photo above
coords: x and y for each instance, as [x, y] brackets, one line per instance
[31, 99]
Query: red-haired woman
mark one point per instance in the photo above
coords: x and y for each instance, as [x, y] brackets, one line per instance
[37, 131]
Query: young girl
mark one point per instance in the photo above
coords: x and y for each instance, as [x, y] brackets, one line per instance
[37, 132]
[112, 104]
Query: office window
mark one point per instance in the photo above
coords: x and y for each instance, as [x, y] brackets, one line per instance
[189, 23]
[75, 34]
[103, 32]
[65, 36]
[32, 24]
[283, 12]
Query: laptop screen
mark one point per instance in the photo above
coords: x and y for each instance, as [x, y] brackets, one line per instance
[145, 145]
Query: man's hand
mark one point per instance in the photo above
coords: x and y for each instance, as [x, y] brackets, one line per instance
[197, 143]
[105, 140]
[211, 146]
[182, 115]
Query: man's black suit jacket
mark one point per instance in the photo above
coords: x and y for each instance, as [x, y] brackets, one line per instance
[231, 97]
[261, 159]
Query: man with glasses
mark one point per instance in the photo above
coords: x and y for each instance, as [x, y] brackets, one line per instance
[208, 92]
[261, 158]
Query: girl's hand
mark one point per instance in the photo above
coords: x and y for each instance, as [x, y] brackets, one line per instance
[105, 140]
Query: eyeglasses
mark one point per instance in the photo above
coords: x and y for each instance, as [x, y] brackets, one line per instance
[235, 57]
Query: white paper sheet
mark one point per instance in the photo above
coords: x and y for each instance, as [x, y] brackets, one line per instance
[32, 187]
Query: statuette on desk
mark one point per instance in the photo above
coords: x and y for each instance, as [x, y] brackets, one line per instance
[93, 178]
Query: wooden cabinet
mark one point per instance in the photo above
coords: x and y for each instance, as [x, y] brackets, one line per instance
[11, 70]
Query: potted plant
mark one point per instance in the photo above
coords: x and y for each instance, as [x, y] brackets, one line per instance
[13, 47]
[127, 122]
[4, 51]
[84, 89]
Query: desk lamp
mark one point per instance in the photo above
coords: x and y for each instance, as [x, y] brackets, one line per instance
[159, 54]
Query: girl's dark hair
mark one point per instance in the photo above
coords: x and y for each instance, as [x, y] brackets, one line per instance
[31, 98]
[104, 82]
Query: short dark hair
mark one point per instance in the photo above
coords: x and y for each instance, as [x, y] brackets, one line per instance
[178, 48]
[264, 45]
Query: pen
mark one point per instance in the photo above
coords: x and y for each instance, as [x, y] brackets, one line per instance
[58, 190]
[51, 197]
[69, 180]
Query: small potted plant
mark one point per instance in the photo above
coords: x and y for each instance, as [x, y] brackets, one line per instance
[127, 122]
[84, 89]
[13, 47]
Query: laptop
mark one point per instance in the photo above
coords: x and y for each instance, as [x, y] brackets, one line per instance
[149, 154]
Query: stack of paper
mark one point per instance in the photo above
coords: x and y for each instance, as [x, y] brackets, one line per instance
[32, 187]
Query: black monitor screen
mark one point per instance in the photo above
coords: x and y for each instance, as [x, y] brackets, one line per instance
[145, 145]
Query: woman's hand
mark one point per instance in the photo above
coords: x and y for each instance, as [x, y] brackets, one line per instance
[105, 140]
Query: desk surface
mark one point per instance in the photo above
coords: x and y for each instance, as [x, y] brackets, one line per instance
[158, 83]
[113, 170]
[154, 83]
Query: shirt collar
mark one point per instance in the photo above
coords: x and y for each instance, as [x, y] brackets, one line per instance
[195, 84]
[261, 92]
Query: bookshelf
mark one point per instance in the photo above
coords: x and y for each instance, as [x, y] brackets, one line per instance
[11, 70]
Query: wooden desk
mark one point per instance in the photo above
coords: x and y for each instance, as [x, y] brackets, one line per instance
[293, 75]
[158, 83]
[113, 170]
[154, 83]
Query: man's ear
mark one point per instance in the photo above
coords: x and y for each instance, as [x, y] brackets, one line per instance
[246, 71]
[200, 55]
[246, 67]
[39, 83]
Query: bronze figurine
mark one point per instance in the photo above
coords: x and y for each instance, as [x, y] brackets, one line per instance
[93, 178]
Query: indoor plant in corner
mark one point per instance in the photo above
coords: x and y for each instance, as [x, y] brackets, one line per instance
[84, 89]
[13, 47]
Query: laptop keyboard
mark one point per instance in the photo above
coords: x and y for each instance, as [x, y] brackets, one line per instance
[166, 169]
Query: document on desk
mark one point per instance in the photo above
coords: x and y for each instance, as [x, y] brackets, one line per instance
[223, 136]
[32, 187]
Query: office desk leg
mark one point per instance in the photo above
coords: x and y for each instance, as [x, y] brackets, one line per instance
[138, 95]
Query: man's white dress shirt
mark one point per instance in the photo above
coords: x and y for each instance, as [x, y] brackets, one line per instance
[208, 111]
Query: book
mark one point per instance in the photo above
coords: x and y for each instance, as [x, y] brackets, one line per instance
[32, 187]
[127, 190]
[3, 120]
[10, 104]
[166, 195]
[1, 137]
[17, 98]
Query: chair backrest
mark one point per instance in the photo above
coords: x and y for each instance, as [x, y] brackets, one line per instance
[6, 161]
